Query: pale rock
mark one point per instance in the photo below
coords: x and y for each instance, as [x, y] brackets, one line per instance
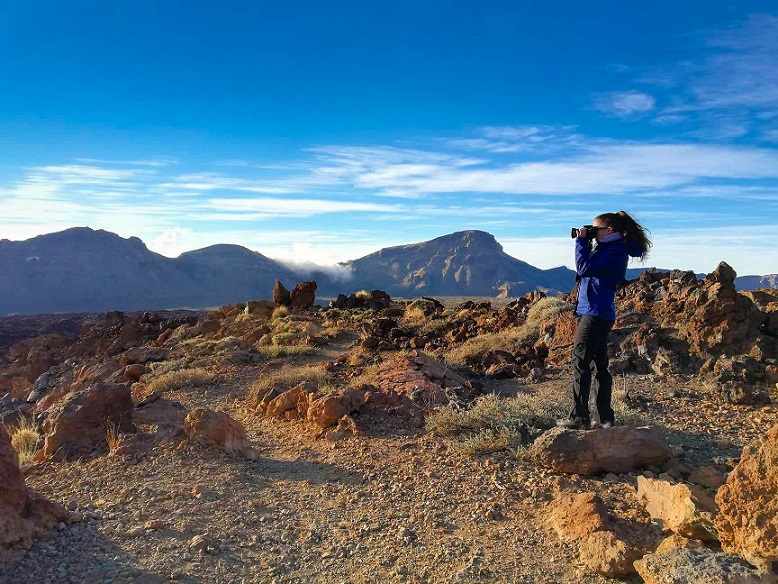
[685, 566]
[683, 509]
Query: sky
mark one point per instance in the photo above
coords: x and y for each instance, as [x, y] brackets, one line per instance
[317, 132]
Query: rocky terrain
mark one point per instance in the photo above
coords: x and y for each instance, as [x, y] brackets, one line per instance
[384, 441]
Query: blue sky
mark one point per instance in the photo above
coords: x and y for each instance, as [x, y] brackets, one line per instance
[322, 131]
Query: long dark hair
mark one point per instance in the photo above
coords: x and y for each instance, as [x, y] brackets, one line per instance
[622, 222]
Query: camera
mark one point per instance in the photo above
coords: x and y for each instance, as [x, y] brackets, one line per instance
[591, 231]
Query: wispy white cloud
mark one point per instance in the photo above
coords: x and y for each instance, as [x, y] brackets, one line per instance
[623, 104]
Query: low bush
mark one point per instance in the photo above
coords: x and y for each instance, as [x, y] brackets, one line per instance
[544, 311]
[24, 438]
[175, 380]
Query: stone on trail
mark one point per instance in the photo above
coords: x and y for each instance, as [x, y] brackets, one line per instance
[577, 515]
[23, 513]
[683, 509]
[211, 428]
[617, 450]
[748, 502]
[326, 411]
[606, 554]
[675, 541]
[685, 566]
[77, 424]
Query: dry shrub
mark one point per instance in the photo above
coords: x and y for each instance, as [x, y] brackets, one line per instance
[24, 439]
[544, 311]
[175, 380]
[363, 295]
[112, 436]
[279, 312]
[437, 326]
[414, 316]
[288, 377]
[472, 350]
[275, 351]
[492, 424]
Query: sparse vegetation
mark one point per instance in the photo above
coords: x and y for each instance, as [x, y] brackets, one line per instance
[544, 311]
[275, 351]
[175, 380]
[288, 377]
[112, 436]
[279, 312]
[414, 316]
[471, 351]
[24, 438]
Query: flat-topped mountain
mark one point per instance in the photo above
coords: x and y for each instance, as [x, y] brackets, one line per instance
[465, 263]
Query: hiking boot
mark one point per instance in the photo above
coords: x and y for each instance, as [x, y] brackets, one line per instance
[573, 424]
[607, 425]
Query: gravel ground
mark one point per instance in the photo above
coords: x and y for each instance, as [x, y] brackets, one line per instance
[398, 507]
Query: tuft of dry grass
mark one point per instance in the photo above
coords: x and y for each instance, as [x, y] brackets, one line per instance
[414, 316]
[175, 380]
[544, 311]
[287, 377]
[276, 351]
[279, 312]
[472, 350]
[112, 436]
[24, 439]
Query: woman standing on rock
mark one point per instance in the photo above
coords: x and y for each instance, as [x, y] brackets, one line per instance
[600, 271]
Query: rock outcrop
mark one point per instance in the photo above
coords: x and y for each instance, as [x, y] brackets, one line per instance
[23, 513]
[683, 509]
[748, 518]
[281, 295]
[210, 428]
[303, 295]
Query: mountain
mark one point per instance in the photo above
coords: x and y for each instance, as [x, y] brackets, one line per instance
[754, 282]
[86, 270]
[466, 263]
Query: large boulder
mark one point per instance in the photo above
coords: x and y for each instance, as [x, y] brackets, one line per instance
[23, 513]
[281, 295]
[683, 509]
[748, 518]
[685, 566]
[292, 403]
[617, 450]
[303, 295]
[326, 411]
[77, 425]
[210, 428]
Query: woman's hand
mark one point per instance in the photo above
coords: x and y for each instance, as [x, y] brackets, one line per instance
[582, 233]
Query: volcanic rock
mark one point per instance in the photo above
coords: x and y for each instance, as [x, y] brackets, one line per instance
[23, 513]
[683, 509]
[77, 425]
[606, 554]
[616, 450]
[685, 566]
[211, 428]
[303, 295]
[326, 411]
[748, 518]
[281, 295]
[295, 400]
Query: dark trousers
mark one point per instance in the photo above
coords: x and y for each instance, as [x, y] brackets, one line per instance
[591, 347]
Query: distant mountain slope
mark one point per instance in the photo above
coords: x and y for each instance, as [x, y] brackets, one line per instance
[466, 263]
[84, 270]
[754, 282]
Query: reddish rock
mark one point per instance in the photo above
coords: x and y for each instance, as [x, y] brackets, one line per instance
[281, 295]
[159, 411]
[134, 372]
[748, 518]
[577, 515]
[211, 428]
[617, 450]
[23, 513]
[706, 476]
[326, 411]
[604, 553]
[295, 399]
[303, 295]
[77, 425]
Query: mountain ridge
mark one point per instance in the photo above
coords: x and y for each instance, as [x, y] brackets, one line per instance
[86, 270]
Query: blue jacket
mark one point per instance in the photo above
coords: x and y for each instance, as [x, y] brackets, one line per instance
[601, 271]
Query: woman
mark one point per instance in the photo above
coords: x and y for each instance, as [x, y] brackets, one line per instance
[600, 272]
